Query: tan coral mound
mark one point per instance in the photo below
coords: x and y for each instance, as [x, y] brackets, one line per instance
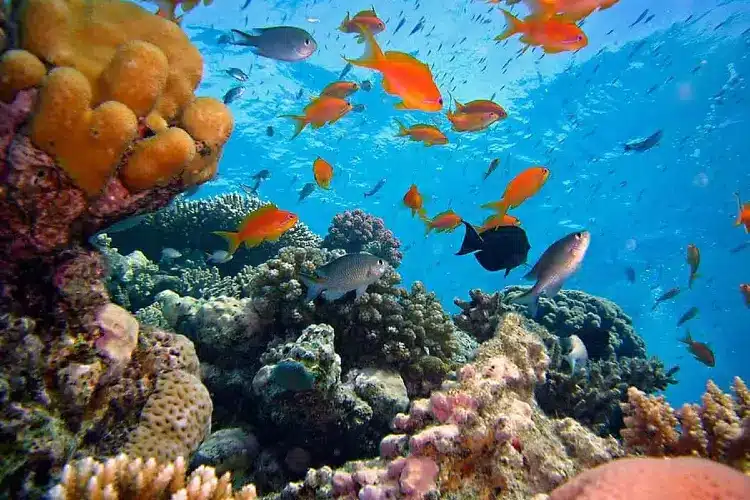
[175, 420]
[718, 429]
[124, 478]
[684, 478]
[115, 65]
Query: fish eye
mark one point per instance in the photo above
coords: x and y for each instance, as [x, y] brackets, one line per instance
[579, 235]
[381, 26]
[307, 41]
[440, 100]
[381, 262]
[579, 38]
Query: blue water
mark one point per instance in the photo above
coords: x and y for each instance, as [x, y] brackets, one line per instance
[570, 112]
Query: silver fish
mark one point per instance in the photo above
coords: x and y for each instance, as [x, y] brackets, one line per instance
[578, 355]
[237, 74]
[283, 43]
[219, 257]
[170, 253]
[233, 94]
[354, 271]
[557, 263]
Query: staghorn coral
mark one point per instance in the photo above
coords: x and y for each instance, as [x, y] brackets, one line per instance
[190, 224]
[652, 479]
[176, 418]
[479, 437]
[133, 479]
[718, 429]
[617, 357]
[358, 231]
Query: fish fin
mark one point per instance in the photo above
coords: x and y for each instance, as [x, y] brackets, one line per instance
[472, 240]
[530, 299]
[507, 272]
[331, 295]
[245, 39]
[233, 239]
[314, 286]
[345, 22]
[500, 206]
[373, 56]
[402, 130]
[688, 338]
[300, 122]
[692, 280]
[360, 291]
[514, 25]
[739, 209]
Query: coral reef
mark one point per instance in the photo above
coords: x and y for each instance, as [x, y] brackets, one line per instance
[480, 437]
[652, 479]
[134, 479]
[358, 231]
[189, 225]
[718, 429]
[227, 450]
[617, 355]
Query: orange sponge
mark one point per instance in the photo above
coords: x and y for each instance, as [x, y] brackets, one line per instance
[158, 159]
[686, 478]
[19, 70]
[86, 143]
[208, 120]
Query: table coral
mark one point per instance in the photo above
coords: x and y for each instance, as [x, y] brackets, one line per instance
[685, 478]
[135, 479]
[617, 356]
[358, 231]
[718, 429]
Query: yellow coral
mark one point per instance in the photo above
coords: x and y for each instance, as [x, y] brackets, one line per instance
[86, 36]
[175, 420]
[19, 70]
[158, 159]
[87, 143]
[133, 479]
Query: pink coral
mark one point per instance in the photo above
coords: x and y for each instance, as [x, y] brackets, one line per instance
[686, 478]
[418, 476]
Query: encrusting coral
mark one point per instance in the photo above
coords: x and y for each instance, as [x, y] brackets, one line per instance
[718, 429]
[616, 354]
[127, 478]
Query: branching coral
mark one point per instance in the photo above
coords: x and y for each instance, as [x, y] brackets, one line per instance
[718, 429]
[134, 479]
[616, 353]
[358, 231]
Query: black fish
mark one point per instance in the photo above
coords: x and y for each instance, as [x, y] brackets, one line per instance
[269, 131]
[630, 274]
[640, 18]
[504, 247]
[262, 175]
[246, 5]
[306, 191]
[646, 143]
[673, 370]
[375, 189]
[669, 294]
[358, 108]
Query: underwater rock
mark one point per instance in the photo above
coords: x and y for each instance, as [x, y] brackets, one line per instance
[358, 231]
[227, 450]
[383, 390]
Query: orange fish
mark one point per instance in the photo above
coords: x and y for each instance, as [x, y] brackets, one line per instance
[497, 220]
[572, 10]
[521, 188]
[168, 8]
[700, 351]
[429, 134]
[340, 89]
[367, 19]
[694, 261]
[743, 213]
[323, 173]
[472, 122]
[553, 34]
[403, 76]
[414, 200]
[267, 223]
[745, 290]
[324, 109]
[444, 222]
[481, 106]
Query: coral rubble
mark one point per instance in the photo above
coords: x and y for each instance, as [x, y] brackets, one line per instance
[617, 355]
[718, 429]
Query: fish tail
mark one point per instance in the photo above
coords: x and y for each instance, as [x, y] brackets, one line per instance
[373, 54]
[402, 130]
[472, 240]
[693, 277]
[313, 284]
[428, 227]
[739, 209]
[245, 39]
[233, 239]
[500, 206]
[514, 25]
[530, 299]
[300, 122]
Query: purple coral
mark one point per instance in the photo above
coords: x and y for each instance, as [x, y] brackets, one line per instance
[358, 231]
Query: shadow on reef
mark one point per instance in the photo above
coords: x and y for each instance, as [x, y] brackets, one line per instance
[616, 353]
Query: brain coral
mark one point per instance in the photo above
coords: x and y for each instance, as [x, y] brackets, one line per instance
[117, 71]
[175, 420]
